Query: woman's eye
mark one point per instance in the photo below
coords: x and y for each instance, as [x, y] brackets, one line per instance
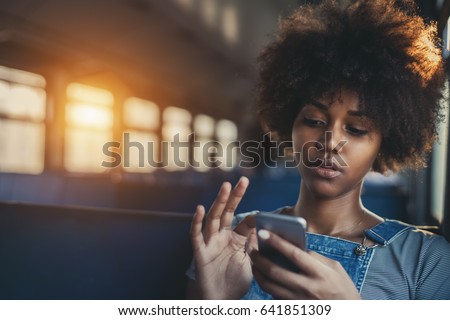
[357, 132]
[314, 122]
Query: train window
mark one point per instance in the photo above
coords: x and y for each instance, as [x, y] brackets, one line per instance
[142, 114]
[89, 123]
[175, 132]
[227, 134]
[230, 27]
[204, 133]
[209, 12]
[22, 116]
[141, 119]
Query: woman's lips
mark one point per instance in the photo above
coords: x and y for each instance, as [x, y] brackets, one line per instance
[327, 173]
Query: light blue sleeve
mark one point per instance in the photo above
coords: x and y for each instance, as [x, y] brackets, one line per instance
[433, 278]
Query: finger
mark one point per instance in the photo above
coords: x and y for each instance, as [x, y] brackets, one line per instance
[273, 271]
[277, 276]
[215, 212]
[246, 226]
[251, 243]
[306, 263]
[196, 228]
[326, 261]
[266, 267]
[276, 290]
[235, 197]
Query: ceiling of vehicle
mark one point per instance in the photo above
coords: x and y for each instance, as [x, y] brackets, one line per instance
[196, 54]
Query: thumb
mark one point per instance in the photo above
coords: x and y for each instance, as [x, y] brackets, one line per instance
[246, 226]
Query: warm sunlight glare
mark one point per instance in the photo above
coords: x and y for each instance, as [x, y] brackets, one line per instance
[81, 92]
[89, 116]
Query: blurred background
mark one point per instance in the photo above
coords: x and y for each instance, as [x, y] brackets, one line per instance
[75, 75]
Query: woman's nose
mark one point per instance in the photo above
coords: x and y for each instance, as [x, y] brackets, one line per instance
[331, 141]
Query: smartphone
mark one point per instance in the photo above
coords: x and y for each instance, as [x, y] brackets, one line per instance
[290, 228]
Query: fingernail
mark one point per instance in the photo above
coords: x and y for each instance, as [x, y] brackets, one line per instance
[264, 234]
[243, 179]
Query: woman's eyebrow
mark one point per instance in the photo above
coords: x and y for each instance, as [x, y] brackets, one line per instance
[319, 105]
[356, 113]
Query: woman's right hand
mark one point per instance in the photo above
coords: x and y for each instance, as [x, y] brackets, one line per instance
[223, 268]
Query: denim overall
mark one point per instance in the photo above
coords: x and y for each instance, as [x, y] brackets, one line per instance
[354, 257]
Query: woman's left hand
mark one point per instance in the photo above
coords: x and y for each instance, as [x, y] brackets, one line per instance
[319, 277]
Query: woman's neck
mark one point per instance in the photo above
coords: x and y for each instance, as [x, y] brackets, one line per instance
[343, 217]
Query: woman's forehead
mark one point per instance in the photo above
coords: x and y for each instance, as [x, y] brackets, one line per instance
[343, 97]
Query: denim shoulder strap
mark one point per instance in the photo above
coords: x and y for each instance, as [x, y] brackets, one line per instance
[385, 232]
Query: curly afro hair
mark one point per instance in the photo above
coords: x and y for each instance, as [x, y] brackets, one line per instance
[381, 49]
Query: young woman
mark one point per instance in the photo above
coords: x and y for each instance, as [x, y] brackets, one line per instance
[356, 86]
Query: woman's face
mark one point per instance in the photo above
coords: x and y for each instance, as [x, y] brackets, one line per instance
[335, 145]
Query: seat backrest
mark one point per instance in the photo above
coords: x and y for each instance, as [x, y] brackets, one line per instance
[50, 252]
